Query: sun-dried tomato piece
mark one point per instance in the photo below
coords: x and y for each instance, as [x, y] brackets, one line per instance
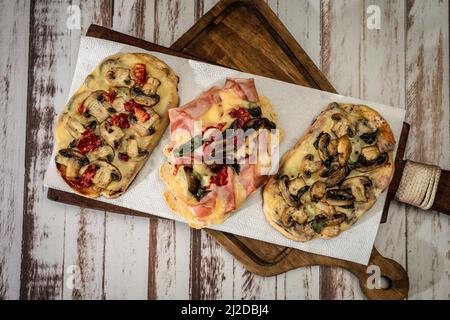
[141, 114]
[120, 120]
[85, 180]
[88, 141]
[81, 108]
[109, 95]
[140, 74]
[241, 115]
[221, 178]
[130, 105]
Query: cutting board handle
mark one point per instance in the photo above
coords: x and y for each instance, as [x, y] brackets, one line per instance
[424, 186]
[381, 279]
[395, 284]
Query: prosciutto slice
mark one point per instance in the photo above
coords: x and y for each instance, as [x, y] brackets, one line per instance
[244, 88]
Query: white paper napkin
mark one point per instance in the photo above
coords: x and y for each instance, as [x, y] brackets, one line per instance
[296, 106]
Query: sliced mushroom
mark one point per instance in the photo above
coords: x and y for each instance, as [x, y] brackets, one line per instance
[342, 126]
[73, 160]
[102, 153]
[327, 170]
[371, 158]
[322, 145]
[283, 186]
[369, 137]
[299, 215]
[74, 127]
[295, 185]
[286, 217]
[151, 86]
[144, 142]
[337, 177]
[122, 97]
[111, 134]
[370, 153]
[119, 77]
[335, 220]
[291, 215]
[358, 186]
[309, 166]
[140, 97]
[325, 208]
[332, 147]
[318, 190]
[337, 197]
[320, 222]
[105, 174]
[344, 150]
[133, 150]
[192, 181]
[145, 128]
[94, 106]
[349, 211]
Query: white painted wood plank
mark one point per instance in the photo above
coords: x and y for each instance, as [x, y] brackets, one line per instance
[169, 242]
[302, 19]
[126, 257]
[171, 256]
[427, 101]
[383, 80]
[84, 255]
[341, 26]
[84, 230]
[52, 61]
[14, 27]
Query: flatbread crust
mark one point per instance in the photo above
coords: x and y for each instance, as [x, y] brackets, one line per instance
[98, 81]
[181, 201]
[292, 162]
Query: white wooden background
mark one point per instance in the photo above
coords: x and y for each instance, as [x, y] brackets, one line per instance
[405, 64]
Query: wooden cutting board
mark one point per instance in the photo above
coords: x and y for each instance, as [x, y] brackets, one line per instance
[247, 36]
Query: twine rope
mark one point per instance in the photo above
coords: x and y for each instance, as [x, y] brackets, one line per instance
[418, 185]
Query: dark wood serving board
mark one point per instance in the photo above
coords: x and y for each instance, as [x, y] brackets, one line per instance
[247, 36]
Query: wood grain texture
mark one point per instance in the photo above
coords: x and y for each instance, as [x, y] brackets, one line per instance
[410, 53]
[342, 33]
[84, 230]
[170, 242]
[14, 27]
[53, 51]
[238, 246]
[303, 21]
[427, 102]
[383, 80]
[212, 267]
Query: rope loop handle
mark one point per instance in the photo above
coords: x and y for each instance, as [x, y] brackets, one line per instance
[418, 185]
